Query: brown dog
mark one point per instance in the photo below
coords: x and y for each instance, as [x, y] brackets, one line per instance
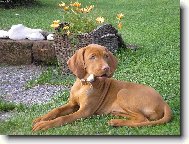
[104, 95]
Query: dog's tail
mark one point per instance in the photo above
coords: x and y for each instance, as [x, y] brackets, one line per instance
[166, 118]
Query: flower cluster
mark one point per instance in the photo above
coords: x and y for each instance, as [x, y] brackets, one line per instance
[76, 7]
[119, 17]
[79, 20]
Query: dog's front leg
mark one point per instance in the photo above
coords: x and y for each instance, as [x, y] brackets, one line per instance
[63, 110]
[44, 125]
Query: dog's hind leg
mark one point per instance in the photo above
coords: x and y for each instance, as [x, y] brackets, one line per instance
[122, 114]
[124, 97]
[134, 117]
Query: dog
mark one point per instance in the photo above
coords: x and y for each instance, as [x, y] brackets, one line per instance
[96, 93]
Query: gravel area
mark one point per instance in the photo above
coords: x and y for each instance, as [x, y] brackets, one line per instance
[12, 85]
[5, 115]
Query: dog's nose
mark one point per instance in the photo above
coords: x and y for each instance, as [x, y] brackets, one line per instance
[105, 67]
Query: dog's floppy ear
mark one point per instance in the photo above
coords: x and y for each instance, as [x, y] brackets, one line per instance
[113, 63]
[76, 63]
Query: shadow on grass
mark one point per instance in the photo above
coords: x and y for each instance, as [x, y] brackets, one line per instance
[12, 4]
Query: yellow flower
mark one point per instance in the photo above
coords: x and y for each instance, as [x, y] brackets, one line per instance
[54, 25]
[65, 27]
[62, 4]
[119, 25]
[66, 8]
[120, 16]
[84, 10]
[90, 8]
[56, 21]
[87, 9]
[99, 19]
[80, 10]
[68, 32]
[76, 4]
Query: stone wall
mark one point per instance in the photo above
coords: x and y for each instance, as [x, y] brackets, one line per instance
[25, 52]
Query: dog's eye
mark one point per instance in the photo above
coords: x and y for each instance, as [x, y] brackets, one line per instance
[106, 56]
[92, 57]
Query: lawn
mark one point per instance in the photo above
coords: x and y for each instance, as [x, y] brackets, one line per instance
[152, 25]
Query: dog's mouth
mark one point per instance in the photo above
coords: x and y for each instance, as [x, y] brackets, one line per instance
[104, 76]
[91, 77]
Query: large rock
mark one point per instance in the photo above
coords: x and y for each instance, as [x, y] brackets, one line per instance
[35, 36]
[15, 52]
[4, 34]
[17, 32]
[21, 32]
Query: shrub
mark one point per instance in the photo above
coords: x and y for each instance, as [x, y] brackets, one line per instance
[12, 3]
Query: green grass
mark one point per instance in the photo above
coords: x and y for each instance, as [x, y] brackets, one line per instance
[51, 76]
[6, 106]
[154, 26]
[9, 106]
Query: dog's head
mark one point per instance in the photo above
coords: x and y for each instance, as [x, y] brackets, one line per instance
[93, 59]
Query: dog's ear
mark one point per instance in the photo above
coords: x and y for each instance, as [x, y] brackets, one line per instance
[113, 63]
[76, 63]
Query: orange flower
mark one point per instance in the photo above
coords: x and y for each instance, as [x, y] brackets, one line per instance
[120, 16]
[76, 4]
[119, 25]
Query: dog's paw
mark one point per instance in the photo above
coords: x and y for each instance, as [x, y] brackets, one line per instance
[36, 120]
[42, 125]
[114, 122]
